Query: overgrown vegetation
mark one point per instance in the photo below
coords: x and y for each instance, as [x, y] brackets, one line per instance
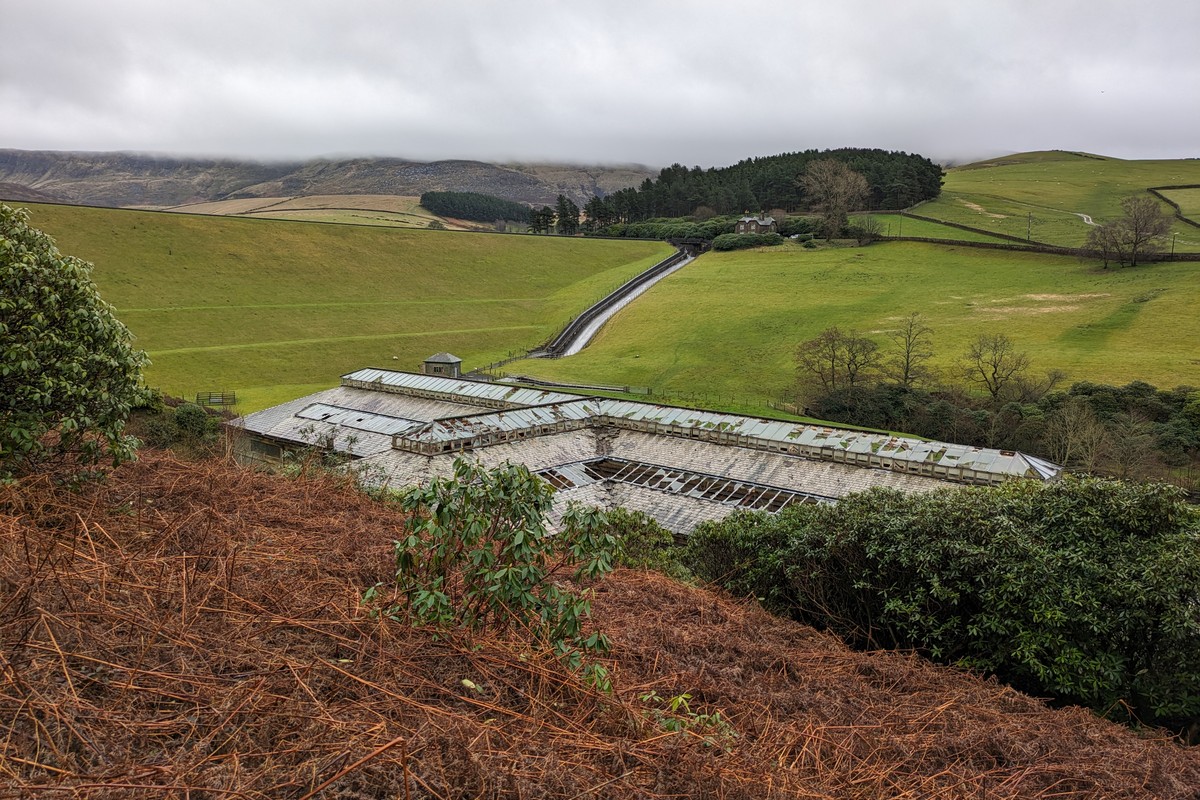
[474, 206]
[1085, 590]
[185, 427]
[68, 371]
[642, 543]
[477, 554]
[188, 628]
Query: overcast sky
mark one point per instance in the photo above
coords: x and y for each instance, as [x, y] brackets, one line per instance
[609, 81]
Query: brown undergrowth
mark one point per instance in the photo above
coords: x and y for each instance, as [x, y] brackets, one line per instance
[193, 630]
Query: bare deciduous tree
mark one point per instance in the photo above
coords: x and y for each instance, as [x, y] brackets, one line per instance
[1103, 243]
[1075, 436]
[1140, 233]
[1131, 445]
[862, 354]
[1031, 389]
[1145, 226]
[914, 348]
[993, 363]
[836, 360]
[866, 229]
[834, 190]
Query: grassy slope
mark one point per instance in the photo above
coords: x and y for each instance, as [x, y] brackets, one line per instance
[728, 324]
[1189, 201]
[366, 209]
[999, 195]
[897, 225]
[274, 310]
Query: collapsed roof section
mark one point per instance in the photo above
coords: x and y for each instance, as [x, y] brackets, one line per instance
[680, 465]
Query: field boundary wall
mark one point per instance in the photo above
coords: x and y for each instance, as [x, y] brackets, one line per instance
[1155, 190]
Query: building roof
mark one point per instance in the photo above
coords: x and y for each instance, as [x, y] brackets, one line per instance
[459, 390]
[810, 441]
[358, 422]
[685, 465]
[443, 358]
[759, 220]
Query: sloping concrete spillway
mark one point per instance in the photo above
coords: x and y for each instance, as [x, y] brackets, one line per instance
[576, 335]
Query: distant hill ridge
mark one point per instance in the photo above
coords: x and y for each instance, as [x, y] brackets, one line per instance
[128, 179]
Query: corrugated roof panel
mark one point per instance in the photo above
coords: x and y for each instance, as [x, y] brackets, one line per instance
[536, 412]
[354, 418]
[487, 427]
[495, 392]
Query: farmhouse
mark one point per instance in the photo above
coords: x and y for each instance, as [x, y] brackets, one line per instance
[681, 466]
[759, 224]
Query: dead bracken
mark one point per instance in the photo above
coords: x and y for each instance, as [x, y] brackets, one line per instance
[193, 629]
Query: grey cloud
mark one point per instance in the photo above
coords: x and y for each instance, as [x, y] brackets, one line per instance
[652, 82]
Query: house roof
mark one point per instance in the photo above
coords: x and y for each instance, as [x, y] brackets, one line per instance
[759, 220]
[444, 358]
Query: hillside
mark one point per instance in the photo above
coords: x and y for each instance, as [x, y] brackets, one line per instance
[1045, 195]
[194, 628]
[275, 310]
[351, 209]
[129, 180]
[725, 329]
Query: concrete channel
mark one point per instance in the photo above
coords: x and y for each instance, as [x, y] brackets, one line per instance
[580, 331]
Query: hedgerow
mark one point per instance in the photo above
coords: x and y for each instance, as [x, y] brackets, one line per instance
[742, 241]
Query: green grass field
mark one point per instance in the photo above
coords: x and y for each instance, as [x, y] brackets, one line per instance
[352, 209]
[726, 326]
[273, 310]
[1188, 199]
[897, 225]
[1042, 194]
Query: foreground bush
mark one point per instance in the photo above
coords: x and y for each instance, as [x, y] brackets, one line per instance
[478, 554]
[68, 373]
[1084, 590]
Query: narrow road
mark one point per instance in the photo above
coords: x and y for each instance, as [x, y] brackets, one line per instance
[1086, 219]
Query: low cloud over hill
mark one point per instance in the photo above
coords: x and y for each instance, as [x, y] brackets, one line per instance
[124, 179]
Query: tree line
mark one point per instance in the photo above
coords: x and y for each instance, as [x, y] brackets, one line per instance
[474, 206]
[894, 179]
[563, 219]
[993, 397]
[698, 227]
